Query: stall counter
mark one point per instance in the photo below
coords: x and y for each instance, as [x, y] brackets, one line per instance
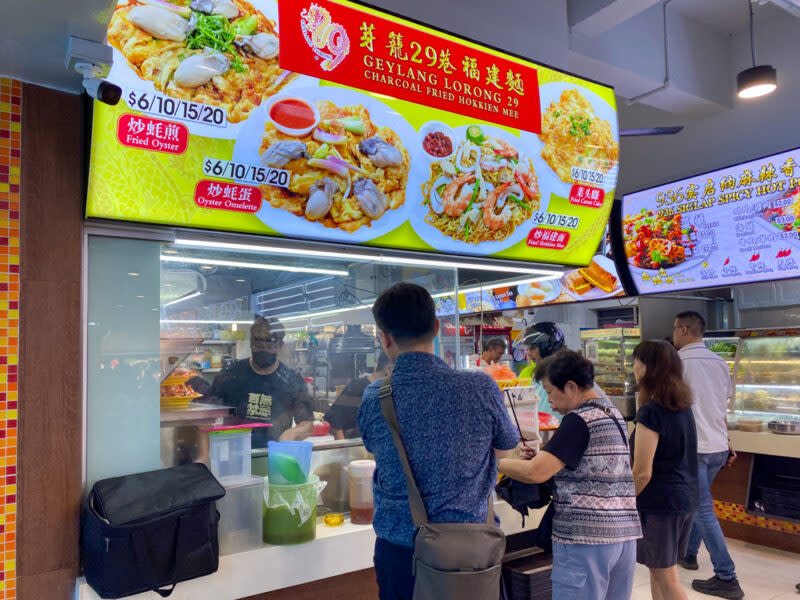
[336, 551]
[765, 442]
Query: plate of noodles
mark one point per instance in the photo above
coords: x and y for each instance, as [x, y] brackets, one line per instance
[479, 199]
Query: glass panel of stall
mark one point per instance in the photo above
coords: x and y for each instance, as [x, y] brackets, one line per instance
[170, 353]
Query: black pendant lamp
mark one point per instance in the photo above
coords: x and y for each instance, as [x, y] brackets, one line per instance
[758, 80]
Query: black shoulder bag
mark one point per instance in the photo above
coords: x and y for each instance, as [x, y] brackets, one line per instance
[150, 531]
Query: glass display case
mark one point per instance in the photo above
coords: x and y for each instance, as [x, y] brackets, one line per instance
[767, 375]
[175, 329]
[611, 352]
[724, 344]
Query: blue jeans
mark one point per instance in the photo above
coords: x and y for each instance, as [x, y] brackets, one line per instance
[593, 572]
[706, 527]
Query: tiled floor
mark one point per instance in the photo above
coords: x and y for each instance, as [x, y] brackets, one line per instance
[763, 573]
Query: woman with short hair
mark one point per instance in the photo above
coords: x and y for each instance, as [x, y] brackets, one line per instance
[664, 446]
[595, 522]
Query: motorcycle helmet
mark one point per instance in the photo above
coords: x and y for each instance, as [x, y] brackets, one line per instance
[546, 336]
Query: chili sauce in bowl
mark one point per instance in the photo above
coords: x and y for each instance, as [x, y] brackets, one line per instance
[293, 116]
[437, 140]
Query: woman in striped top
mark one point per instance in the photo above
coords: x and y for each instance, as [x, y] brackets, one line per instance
[595, 522]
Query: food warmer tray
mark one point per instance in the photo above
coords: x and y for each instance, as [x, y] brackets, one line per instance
[785, 427]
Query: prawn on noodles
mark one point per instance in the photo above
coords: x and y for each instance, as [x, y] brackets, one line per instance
[483, 192]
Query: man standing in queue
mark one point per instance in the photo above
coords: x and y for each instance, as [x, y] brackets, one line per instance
[453, 424]
[263, 389]
[709, 378]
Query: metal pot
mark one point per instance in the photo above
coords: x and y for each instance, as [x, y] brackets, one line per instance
[183, 444]
[785, 427]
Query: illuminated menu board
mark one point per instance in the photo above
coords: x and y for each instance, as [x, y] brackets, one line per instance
[732, 226]
[597, 281]
[336, 122]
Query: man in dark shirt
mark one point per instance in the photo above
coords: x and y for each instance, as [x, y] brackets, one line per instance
[343, 413]
[262, 389]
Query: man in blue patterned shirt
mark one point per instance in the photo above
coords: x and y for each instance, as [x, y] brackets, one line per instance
[454, 425]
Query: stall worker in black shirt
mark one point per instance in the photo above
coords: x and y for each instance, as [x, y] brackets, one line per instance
[343, 413]
[263, 389]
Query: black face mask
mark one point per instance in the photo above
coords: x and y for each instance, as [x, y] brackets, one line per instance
[263, 359]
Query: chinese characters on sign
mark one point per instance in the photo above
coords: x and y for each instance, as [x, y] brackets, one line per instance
[737, 225]
[408, 63]
[152, 134]
[332, 121]
[227, 196]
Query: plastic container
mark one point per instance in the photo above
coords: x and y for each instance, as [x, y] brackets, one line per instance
[241, 513]
[334, 519]
[229, 453]
[525, 401]
[290, 512]
[289, 462]
[361, 503]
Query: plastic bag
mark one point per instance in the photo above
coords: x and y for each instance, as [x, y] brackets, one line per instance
[298, 499]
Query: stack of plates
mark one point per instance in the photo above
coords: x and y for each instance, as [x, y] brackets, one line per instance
[528, 578]
[177, 401]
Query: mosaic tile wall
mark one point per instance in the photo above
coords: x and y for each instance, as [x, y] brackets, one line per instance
[737, 513]
[10, 147]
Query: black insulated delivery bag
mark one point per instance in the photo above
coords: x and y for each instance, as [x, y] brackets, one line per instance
[150, 531]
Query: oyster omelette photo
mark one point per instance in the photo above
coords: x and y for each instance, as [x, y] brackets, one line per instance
[346, 171]
[218, 52]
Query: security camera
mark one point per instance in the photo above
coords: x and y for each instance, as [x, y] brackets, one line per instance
[102, 90]
[93, 61]
[98, 88]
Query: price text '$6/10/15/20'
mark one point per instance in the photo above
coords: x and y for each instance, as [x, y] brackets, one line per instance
[244, 173]
[183, 110]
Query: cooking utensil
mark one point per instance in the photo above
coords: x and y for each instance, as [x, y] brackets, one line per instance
[785, 427]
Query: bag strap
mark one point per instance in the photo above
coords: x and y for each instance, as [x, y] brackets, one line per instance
[140, 550]
[418, 513]
[511, 404]
[610, 414]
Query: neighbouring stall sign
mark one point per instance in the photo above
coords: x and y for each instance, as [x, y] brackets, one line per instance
[736, 225]
[597, 281]
[332, 121]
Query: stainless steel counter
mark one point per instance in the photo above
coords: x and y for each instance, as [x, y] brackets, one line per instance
[195, 413]
[183, 438]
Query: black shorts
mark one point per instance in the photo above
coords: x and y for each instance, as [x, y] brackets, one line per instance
[666, 536]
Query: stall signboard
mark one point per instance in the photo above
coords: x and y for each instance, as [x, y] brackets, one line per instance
[597, 281]
[732, 226]
[331, 121]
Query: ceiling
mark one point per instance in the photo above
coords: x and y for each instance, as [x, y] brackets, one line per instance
[34, 36]
[723, 16]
